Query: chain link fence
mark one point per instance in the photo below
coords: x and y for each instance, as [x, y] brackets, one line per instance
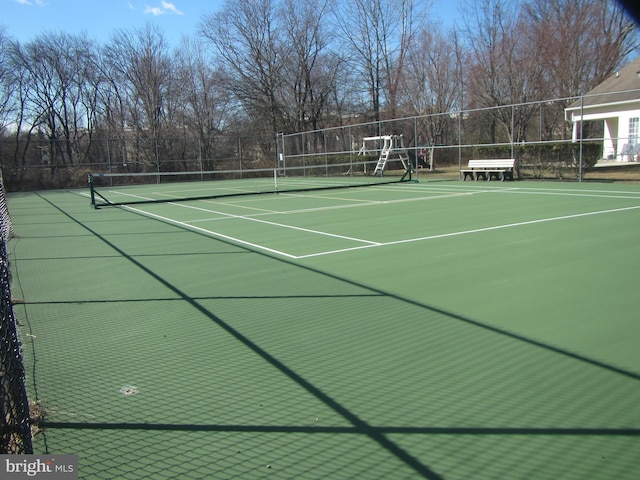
[40, 164]
[536, 134]
[540, 135]
[15, 436]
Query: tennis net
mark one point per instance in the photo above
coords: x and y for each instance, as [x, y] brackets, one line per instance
[125, 188]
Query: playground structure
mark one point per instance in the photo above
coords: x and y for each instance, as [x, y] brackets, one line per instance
[392, 149]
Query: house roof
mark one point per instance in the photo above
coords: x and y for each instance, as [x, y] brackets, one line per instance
[622, 87]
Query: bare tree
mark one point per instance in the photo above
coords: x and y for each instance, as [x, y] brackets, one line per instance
[579, 42]
[6, 84]
[250, 51]
[407, 16]
[309, 72]
[433, 84]
[503, 67]
[140, 65]
[205, 102]
[56, 94]
[16, 88]
[142, 61]
[379, 33]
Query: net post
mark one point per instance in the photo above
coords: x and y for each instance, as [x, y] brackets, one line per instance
[92, 191]
[407, 176]
[275, 180]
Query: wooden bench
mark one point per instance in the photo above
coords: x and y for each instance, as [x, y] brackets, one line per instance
[501, 168]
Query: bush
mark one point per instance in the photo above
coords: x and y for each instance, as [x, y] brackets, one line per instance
[540, 160]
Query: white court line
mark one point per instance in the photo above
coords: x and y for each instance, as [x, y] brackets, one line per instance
[382, 202]
[375, 244]
[538, 191]
[275, 224]
[533, 190]
[371, 244]
[208, 232]
[564, 194]
[263, 211]
[376, 203]
[469, 232]
[202, 230]
[334, 207]
[367, 243]
[471, 189]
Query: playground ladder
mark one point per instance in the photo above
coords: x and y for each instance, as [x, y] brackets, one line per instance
[391, 144]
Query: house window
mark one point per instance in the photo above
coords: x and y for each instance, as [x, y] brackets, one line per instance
[634, 130]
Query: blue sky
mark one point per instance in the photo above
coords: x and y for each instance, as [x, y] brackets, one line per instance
[25, 19]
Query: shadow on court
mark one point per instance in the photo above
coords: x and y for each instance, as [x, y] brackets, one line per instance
[246, 365]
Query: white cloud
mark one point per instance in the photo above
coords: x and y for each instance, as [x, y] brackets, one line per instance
[153, 10]
[39, 3]
[166, 7]
[171, 8]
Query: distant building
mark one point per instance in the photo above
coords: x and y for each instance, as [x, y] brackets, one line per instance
[616, 102]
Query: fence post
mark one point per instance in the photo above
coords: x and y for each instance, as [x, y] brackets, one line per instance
[415, 146]
[351, 172]
[240, 153]
[155, 142]
[513, 126]
[581, 132]
[459, 139]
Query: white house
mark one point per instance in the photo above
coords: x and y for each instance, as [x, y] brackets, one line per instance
[616, 101]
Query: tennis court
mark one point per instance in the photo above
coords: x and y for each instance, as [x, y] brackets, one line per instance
[440, 330]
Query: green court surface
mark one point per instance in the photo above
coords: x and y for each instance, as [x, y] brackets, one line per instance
[439, 330]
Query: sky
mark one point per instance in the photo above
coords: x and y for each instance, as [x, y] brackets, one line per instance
[24, 20]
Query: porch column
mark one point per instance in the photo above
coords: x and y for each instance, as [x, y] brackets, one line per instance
[574, 135]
